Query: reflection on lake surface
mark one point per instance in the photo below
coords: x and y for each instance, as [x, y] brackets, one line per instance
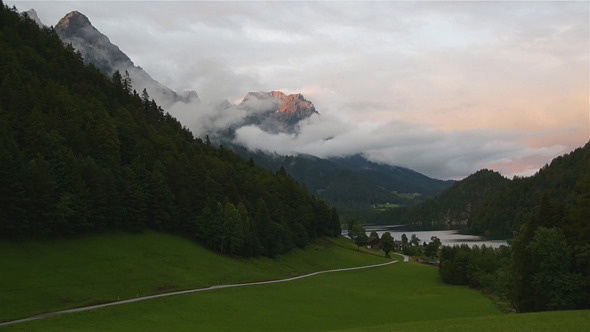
[447, 237]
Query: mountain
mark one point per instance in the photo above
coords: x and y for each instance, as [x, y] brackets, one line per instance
[275, 111]
[32, 14]
[394, 178]
[549, 214]
[353, 185]
[97, 49]
[271, 111]
[456, 204]
[490, 204]
[559, 182]
[80, 154]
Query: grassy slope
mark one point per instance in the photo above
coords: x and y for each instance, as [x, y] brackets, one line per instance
[401, 297]
[402, 292]
[577, 320]
[50, 275]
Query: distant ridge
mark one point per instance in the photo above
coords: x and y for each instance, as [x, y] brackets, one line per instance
[352, 184]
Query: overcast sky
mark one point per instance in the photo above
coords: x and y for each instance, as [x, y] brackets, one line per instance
[444, 88]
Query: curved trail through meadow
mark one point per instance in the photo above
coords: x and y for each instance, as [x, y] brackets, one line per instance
[149, 297]
[406, 258]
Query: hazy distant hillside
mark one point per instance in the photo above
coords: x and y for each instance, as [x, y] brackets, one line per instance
[352, 184]
[394, 178]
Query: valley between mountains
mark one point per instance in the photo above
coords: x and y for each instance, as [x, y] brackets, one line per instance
[111, 190]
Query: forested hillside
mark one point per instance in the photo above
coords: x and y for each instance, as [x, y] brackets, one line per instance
[80, 152]
[352, 184]
[340, 187]
[515, 204]
[549, 266]
[491, 204]
[455, 205]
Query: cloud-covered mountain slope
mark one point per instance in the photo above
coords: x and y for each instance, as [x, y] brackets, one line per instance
[96, 48]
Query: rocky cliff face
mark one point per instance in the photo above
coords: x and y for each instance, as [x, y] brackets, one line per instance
[275, 111]
[32, 14]
[96, 48]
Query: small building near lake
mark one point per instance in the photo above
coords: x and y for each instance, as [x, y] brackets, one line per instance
[374, 243]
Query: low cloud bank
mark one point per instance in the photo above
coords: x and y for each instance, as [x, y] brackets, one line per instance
[433, 152]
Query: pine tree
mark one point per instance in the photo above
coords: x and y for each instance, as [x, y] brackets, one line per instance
[145, 97]
[117, 79]
[127, 83]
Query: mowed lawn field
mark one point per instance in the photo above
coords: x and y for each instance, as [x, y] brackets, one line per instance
[398, 293]
[567, 321]
[50, 275]
[397, 297]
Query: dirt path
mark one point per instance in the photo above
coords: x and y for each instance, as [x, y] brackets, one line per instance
[143, 298]
[406, 258]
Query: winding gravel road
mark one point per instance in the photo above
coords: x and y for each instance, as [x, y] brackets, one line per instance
[143, 298]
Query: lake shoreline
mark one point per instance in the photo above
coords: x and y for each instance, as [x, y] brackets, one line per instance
[448, 237]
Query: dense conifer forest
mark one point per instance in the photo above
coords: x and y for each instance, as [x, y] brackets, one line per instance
[562, 181]
[490, 204]
[455, 205]
[81, 152]
[547, 266]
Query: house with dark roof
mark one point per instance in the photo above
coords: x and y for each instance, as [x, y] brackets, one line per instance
[374, 243]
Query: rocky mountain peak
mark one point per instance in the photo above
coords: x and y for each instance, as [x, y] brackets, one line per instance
[278, 95]
[288, 104]
[277, 112]
[32, 14]
[76, 28]
[74, 20]
[96, 48]
[296, 103]
[76, 24]
[253, 96]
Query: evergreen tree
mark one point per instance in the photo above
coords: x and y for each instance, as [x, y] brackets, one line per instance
[404, 240]
[127, 83]
[387, 243]
[117, 79]
[145, 97]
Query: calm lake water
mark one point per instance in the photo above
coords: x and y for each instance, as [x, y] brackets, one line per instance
[447, 237]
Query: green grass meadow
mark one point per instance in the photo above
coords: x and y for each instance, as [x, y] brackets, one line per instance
[397, 297]
[50, 275]
[402, 292]
[570, 321]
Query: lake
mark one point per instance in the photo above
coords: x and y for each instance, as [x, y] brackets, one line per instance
[447, 237]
